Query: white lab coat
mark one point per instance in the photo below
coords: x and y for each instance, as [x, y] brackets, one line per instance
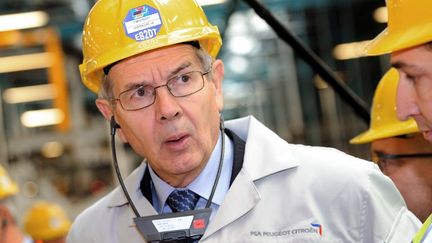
[283, 193]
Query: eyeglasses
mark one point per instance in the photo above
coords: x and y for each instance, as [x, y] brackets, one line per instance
[144, 96]
[380, 157]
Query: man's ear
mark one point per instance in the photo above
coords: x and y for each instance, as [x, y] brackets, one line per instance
[218, 76]
[105, 108]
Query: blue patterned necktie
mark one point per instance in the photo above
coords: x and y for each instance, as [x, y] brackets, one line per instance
[182, 200]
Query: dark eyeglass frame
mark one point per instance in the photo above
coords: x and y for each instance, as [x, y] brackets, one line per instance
[382, 159]
[163, 85]
[384, 156]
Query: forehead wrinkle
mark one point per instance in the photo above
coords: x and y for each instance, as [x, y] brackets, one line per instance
[155, 72]
[158, 73]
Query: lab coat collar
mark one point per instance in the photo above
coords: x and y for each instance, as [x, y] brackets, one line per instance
[261, 144]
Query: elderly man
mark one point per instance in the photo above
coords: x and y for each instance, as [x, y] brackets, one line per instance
[153, 63]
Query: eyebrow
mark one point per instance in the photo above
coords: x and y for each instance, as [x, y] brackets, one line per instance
[403, 65]
[180, 68]
[399, 64]
[131, 86]
[374, 151]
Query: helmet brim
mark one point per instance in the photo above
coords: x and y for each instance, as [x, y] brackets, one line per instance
[390, 41]
[403, 128]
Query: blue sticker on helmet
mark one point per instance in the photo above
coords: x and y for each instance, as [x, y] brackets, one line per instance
[142, 23]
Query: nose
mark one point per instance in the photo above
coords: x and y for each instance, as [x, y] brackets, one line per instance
[166, 104]
[406, 101]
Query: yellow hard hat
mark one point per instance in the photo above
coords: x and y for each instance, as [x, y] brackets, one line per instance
[7, 186]
[46, 221]
[117, 29]
[409, 25]
[384, 122]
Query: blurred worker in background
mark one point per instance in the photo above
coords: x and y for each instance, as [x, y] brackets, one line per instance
[408, 40]
[153, 64]
[399, 149]
[9, 229]
[47, 223]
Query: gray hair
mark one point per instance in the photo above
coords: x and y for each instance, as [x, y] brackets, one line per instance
[106, 90]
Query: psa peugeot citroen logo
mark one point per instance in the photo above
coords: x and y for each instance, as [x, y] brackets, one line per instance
[314, 228]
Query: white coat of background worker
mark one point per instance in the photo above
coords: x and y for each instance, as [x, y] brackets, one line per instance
[399, 149]
[408, 40]
[47, 222]
[153, 64]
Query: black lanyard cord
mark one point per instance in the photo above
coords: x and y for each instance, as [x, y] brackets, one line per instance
[219, 171]
[114, 126]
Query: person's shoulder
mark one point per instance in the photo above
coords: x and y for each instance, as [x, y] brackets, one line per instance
[333, 165]
[91, 219]
[328, 156]
[100, 207]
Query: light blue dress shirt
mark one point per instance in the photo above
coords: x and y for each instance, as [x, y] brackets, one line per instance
[202, 185]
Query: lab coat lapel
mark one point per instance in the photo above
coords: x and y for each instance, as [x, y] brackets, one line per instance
[265, 154]
[132, 183]
[240, 199]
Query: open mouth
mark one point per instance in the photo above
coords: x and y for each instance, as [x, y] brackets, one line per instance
[177, 142]
[177, 139]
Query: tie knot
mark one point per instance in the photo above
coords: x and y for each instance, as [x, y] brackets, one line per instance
[182, 200]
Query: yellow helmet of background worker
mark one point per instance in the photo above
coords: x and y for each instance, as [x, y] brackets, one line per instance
[46, 221]
[384, 122]
[117, 29]
[7, 186]
[409, 25]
